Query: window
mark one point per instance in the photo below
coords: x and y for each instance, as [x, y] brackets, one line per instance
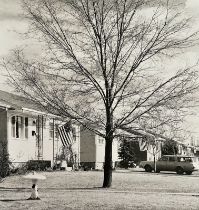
[13, 126]
[188, 159]
[172, 158]
[17, 127]
[53, 130]
[26, 127]
[21, 127]
[56, 132]
[185, 159]
[101, 140]
[74, 134]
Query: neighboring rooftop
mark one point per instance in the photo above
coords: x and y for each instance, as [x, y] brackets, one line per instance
[14, 101]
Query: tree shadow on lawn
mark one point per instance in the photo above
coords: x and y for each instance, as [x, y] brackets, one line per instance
[48, 188]
[13, 188]
[22, 189]
[12, 200]
[167, 174]
[73, 188]
[130, 171]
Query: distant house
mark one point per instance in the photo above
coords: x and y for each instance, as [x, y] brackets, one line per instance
[151, 144]
[186, 149]
[92, 150]
[29, 132]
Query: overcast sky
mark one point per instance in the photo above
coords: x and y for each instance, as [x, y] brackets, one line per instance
[12, 24]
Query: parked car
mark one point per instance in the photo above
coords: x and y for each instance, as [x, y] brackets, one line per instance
[177, 163]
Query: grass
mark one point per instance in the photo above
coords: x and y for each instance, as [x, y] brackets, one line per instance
[82, 190]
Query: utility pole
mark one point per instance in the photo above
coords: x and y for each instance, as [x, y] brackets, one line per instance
[155, 150]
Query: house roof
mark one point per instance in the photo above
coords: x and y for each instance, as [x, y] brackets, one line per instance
[17, 102]
[137, 132]
[148, 133]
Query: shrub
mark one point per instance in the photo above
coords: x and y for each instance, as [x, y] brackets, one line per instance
[38, 165]
[4, 160]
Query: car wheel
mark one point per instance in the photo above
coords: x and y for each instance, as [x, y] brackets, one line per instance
[148, 168]
[157, 171]
[188, 172]
[179, 170]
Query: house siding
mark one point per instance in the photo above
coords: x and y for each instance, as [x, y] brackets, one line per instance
[21, 149]
[92, 150]
[100, 152]
[87, 146]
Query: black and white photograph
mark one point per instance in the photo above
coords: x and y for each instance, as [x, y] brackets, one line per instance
[99, 104]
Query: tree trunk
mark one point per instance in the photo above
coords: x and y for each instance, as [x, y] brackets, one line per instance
[109, 139]
[108, 151]
[108, 163]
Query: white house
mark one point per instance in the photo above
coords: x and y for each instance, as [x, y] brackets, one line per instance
[31, 133]
[92, 150]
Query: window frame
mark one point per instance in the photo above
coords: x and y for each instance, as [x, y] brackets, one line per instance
[19, 129]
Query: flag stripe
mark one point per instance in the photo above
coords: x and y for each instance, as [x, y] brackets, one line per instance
[60, 134]
[66, 134]
[143, 145]
[61, 137]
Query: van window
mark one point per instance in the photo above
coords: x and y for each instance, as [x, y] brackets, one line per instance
[188, 159]
[172, 159]
[185, 159]
[164, 158]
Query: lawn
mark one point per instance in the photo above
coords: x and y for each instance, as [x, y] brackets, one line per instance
[82, 190]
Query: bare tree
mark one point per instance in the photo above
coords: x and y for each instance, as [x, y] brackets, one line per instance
[98, 64]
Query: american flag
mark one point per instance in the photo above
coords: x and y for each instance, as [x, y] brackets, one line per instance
[143, 144]
[66, 135]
